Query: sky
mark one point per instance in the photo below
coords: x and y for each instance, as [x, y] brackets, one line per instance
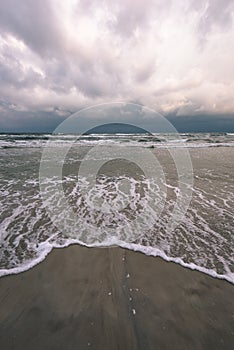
[175, 56]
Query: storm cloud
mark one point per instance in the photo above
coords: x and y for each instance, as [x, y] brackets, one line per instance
[56, 57]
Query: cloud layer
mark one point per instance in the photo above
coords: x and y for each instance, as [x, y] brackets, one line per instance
[58, 56]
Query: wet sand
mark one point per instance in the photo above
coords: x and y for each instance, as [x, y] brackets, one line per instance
[107, 299]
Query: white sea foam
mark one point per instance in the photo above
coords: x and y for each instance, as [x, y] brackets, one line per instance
[203, 241]
[199, 239]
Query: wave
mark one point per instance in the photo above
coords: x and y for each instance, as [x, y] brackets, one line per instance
[28, 236]
[142, 140]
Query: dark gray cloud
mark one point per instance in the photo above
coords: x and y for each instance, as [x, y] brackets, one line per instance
[203, 123]
[34, 22]
[61, 56]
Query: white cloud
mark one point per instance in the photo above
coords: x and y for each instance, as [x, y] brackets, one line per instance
[175, 56]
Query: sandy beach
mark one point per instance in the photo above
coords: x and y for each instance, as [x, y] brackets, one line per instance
[81, 298]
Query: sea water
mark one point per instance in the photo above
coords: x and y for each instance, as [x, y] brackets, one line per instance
[109, 215]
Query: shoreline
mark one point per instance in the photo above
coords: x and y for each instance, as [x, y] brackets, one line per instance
[134, 248]
[113, 298]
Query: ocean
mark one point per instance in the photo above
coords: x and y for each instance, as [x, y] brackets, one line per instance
[182, 212]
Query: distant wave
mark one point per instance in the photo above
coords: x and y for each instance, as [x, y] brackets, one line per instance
[142, 140]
